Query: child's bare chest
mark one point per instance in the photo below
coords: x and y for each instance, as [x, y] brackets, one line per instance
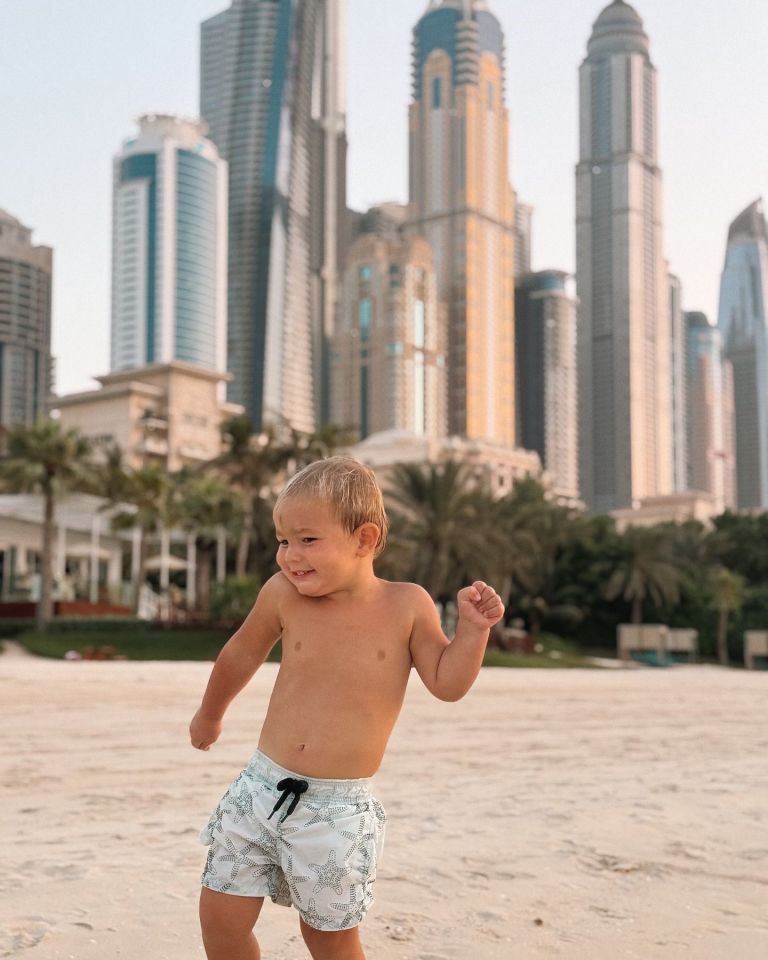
[355, 638]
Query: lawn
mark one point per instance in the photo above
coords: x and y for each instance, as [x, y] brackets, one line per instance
[147, 643]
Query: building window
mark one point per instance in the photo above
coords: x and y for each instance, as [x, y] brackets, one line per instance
[437, 93]
[418, 324]
[365, 273]
[364, 318]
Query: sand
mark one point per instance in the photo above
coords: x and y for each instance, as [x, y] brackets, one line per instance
[575, 814]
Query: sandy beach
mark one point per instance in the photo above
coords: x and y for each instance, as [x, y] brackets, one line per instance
[574, 814]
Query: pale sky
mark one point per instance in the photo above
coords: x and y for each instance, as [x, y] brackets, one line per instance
[75, 73]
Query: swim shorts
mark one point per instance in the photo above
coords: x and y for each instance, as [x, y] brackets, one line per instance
[310, 843]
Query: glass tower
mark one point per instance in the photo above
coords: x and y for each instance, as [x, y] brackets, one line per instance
[625, 409]
[271, 93]
[710, 422]
[462, 202]
[169, 247]
[743, 322]
[545, 351]
[25, 324]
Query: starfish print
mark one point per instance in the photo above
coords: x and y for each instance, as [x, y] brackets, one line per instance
[329, 875]
[210, 866]
[353, 909]
[243, 801]
[324, 814]
[283, 831]
[266, 843]
[379, 812]
[361, 841]
[264, 870]
[214, 824]
[238, 858]
[293, 880]
[314, 919]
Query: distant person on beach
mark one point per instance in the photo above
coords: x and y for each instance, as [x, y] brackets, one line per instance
[299, 824]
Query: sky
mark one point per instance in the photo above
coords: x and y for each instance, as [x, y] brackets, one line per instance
[74, 75]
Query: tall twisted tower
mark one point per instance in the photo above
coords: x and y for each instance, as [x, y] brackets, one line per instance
[625, 419]
[461, 200]
[271, 91]
[743, 321]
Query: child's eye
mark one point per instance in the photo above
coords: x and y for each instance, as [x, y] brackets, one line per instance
[282, 543]
[308, 539]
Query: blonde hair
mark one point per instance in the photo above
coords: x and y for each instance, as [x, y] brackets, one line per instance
[348, 487]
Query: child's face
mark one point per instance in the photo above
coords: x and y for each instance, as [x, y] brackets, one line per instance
[314, 550]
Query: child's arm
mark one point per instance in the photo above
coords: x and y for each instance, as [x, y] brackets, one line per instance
[449, 668]
[240, 658]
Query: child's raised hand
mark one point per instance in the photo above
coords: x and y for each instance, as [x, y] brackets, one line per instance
[480, 605]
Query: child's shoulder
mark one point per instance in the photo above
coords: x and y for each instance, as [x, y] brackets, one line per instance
[404, 593]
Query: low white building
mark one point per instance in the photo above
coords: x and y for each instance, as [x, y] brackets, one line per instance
[88, 554]
[494, 466]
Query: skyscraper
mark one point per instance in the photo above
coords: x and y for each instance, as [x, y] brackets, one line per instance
[523, 231]
[25, 324]
[545, 352]
[624, 340]
[169, 247]
[677, 359]
[709, 402]
[743, 322]
[271, 91]
[462, 202]
[388, 357]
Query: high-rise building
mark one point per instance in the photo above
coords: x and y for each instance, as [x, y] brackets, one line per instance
[169, 247]
[523, 232]
[677, 361]
[388, 356]
[743, 322]
[545, 353]
[271, 91]
[462, 202]
[709, 402]
[25, 324]
[625, 419]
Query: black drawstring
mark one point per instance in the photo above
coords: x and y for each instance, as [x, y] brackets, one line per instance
[289, 786]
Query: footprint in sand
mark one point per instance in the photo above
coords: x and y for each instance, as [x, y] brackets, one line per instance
[21, 934]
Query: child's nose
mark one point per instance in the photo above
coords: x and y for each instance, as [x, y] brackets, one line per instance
[292, 551]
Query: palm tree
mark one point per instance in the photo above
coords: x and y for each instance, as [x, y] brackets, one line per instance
[445, 523]
[647, 570]
[536, 531]
[50, 460]
[727, 595]
[207, 505]
[250, 464]
[147, 491]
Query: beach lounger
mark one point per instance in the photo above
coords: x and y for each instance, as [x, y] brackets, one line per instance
[756, 649]
[645, 642]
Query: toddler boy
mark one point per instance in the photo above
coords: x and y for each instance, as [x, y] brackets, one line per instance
[299, 824]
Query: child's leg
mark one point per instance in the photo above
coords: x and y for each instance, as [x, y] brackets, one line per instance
[333, 945]
[227, 923]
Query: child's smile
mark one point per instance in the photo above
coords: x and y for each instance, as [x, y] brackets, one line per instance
[315, 552]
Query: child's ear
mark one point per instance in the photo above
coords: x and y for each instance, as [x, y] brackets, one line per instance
[367, 538]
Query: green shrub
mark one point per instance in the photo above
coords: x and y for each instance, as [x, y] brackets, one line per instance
[152, 644]
[232, 600]
[10, 629]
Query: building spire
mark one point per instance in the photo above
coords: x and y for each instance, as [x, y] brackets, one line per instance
[467, 7]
